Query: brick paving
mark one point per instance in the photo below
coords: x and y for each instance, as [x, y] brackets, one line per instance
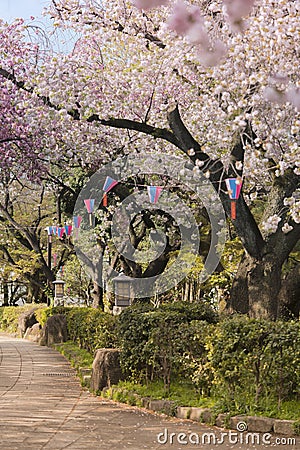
[43, 406]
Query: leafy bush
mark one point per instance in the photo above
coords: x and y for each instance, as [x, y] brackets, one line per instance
[9, 316]
[153, 340]
[254, 362]
[89, 328]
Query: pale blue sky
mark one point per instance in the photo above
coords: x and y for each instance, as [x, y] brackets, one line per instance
[10, 9]
[63, 40]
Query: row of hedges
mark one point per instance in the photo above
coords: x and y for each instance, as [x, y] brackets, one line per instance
[240, 361]
[89, 328]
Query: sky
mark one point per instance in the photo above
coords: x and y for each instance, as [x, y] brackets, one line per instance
[10, 9]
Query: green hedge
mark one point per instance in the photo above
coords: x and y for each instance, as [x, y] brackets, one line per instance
[247, 363]
[89, 328]
[154, 340]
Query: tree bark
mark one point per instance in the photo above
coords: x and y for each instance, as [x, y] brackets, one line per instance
[97, 295]
[256, 287]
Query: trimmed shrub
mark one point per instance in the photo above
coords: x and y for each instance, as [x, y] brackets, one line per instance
[153, 340]
[253, 362]
[89, 328]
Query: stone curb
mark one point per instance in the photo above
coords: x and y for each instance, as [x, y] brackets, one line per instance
[241, 423]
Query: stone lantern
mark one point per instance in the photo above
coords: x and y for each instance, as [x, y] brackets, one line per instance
[123, 292]
[58, 292]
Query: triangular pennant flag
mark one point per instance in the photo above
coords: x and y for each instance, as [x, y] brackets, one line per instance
[68, 230]
[60, 232]
[77, 221]
[89, 203]
[234, 186]
[50, 231]
[109, 184]
[154, 193]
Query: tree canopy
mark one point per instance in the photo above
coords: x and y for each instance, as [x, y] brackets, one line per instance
[221, 89]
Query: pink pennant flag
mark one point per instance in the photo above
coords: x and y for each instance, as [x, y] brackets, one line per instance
[60, 232]
[154, 193]
[109, 184]
[68, 230]
[90, 203]
[76, 221]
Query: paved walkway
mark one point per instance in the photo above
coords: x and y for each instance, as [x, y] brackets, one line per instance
[42, 406]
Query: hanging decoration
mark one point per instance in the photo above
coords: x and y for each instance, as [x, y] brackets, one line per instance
[49, 232]
[108, 185]
[234, 186]
[60, 232]
[76, 221]
[90, 203]
[54, 259]
[154, 193]
[68, 230]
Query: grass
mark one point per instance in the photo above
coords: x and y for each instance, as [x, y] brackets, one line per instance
[182, 393]
[78, 357]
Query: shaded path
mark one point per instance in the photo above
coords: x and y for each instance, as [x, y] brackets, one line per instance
[42, 406]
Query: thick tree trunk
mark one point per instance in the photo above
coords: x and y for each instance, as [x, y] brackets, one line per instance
[255, 290]
[289, 295]
[5, 294]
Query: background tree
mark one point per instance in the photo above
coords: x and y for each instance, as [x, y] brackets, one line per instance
[130, 79]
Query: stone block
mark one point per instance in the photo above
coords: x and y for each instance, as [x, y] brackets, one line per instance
[26, 320]
[33, 333]
[260, 424]
[236, 420]
[146, 402]
[284, 427]
[222, 420]
[55, 330]
[183, 412]
[106, 369]
[164, 406]
[200, 414]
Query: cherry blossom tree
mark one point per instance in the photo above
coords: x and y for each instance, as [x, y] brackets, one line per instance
[215, 80]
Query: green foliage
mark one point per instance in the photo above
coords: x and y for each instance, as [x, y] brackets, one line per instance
[89, 328]
[78, 357]
[153, 339]
[9, 316]
[254, 363]
[76, 280]
[182, 392]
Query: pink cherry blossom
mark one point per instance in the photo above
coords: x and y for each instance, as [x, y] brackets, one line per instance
[211, 57]
[149, 4]
[236, 11]
[187, 21]
[293, 96]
